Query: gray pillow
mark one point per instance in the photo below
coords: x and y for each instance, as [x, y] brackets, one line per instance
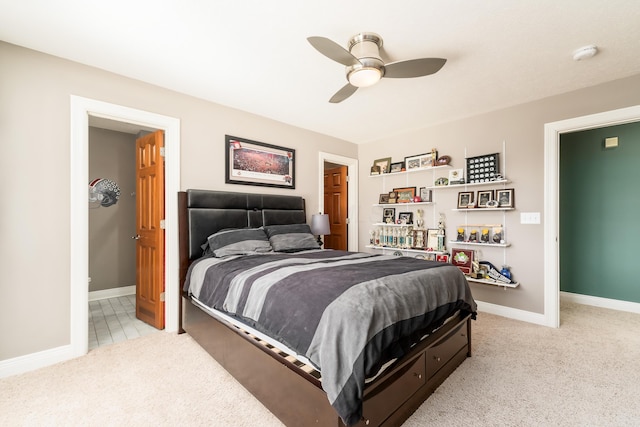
[291, 237]
[246, 241]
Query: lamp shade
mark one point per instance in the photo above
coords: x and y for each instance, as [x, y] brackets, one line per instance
[320, 224]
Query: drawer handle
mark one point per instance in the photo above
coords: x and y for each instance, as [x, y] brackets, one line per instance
[366, 422]
[415, 374]
[436, 358]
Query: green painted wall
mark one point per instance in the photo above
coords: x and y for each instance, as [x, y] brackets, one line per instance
[600, 213]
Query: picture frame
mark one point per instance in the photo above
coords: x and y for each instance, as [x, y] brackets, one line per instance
[407, 217]
[484, 196]
[250, 162]
[393, 197]
[375, 170]
[383, 199]
[484, 168]
[419, 161]
[456, 176]
[432, 239]
[389, 213]
[396, 167]
[442, 258]
[505, 198]
[384, 164]
[405, 194]
[426, 195]
[465, 198]
[463, 259]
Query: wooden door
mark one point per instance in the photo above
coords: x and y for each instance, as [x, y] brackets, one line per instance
[150, 232]
[335, 204]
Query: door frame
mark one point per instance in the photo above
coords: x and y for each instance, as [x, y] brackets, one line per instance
[552, 132]
[352, 196]
[81, 109]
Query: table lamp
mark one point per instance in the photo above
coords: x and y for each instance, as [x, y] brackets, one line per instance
[320, 226]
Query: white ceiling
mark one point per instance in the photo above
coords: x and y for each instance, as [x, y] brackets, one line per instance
[253, 54]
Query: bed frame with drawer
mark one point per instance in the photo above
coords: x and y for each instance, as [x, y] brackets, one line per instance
[291, 390]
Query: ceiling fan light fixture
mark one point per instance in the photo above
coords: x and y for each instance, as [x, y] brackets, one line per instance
[364, 77]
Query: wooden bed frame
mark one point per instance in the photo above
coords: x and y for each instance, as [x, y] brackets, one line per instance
[291, 392]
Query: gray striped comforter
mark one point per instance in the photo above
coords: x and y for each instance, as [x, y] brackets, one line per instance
[347, 312]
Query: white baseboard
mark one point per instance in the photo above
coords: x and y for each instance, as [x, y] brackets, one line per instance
[614, 304]
[512, 313]
[30, 362]
[112, 293]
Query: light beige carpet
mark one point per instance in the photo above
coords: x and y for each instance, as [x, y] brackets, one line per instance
[587, 373]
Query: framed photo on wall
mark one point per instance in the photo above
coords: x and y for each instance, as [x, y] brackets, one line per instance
[384, 164]
[465, 198]
[505, 198]
[256, 163]
[484, 197]
[405, 194]
[425, 194]
[396, 167]
[405, 217]
[463, 259]
[389, 215]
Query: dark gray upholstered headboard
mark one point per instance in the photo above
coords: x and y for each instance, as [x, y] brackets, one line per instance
[203, 212]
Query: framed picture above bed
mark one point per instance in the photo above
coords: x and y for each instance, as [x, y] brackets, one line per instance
[250, 162]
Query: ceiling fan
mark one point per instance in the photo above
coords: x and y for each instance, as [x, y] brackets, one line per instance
[364, 65]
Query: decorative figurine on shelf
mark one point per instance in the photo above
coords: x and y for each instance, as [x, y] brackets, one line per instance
[484, 237]
[505, 272]
[497, 235]
[419, 219]
[473, 236]
[441, 233]
[460, 237]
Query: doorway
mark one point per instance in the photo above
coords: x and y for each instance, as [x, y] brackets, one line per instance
[333, 161]
[81, 110]
[552, 132]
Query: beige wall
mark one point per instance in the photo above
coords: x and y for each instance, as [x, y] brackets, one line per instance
[34, 169]
[522, 129]
[112, 252]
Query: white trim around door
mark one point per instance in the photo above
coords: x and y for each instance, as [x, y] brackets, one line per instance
[81, 109]
[352, 203]
[552, 132]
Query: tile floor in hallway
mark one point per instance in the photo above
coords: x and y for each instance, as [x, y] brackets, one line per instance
[113, 320]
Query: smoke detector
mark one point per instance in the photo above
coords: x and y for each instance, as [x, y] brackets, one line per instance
[585, 52]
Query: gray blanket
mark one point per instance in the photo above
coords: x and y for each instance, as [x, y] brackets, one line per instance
[348, 313]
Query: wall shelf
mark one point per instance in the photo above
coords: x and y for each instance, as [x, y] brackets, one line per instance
[410, 171]
[393, 205]
[495, 245]
[493, 282]
[482, 209]
[415, 251]
[474, 184]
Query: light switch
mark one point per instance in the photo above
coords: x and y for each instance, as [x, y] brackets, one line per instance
[529, 217]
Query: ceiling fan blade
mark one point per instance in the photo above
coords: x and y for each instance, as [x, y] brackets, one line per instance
[413, 67]
[333, 50]
[346, 91]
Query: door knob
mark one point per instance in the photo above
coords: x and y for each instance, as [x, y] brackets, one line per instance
[136, 237]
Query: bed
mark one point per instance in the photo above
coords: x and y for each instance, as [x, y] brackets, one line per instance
[270, 317]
